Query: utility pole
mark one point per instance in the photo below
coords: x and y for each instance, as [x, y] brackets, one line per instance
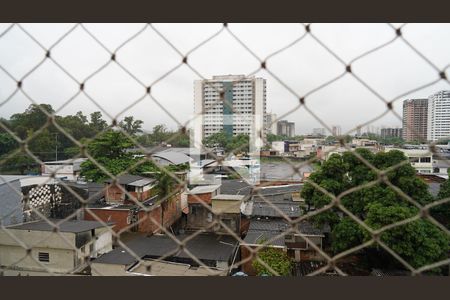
[56, 146]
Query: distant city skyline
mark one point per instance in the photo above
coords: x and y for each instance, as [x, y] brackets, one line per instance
[390, 71]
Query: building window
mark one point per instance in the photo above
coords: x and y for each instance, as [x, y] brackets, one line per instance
[44, 256]
[425, 159]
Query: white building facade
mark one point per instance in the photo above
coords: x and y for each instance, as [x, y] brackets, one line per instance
[438, 116]
[242, 110]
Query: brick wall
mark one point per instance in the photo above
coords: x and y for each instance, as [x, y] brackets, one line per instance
[172, 210]
[164, 214]
[149, 221]
[247, 266]
[206, 198]
[118, 216]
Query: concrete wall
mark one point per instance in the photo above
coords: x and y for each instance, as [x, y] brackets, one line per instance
[45, 239]
[60, 260]
[226, 206]
[199, 217]
[11, 211]
[99, 269]
[60, 171]
[61, 252]
[232, 221]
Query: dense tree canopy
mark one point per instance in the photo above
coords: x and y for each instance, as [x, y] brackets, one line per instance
[131, 126]
[230, 143]
[378, 205]
[46, 140]
[160, 134]
[109, 149]
[442, 212]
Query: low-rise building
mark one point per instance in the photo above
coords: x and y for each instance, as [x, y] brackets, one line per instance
[68, 169]
[199, 200]
[364, 143]
[147, 217]
[440, 168]
[137, 188]
[270, 210]
[420, 159]
[66, 251]
[45, 196]
[160, 255]
[227, 210]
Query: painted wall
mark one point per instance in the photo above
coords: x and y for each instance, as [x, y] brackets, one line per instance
[11, 203]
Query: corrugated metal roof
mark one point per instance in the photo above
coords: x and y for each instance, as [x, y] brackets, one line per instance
[131, 179]
[176, 158]
[202, 189]
[261, 209]
[203, 246]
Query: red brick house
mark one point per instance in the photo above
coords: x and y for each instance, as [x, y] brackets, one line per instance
[135, 218]
[137, 188]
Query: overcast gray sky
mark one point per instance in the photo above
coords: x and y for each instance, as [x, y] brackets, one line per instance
[391, 71]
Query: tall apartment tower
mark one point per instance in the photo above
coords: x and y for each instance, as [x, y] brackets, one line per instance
[242, 111]
[438, 116]
[286, 128]
[391, 132]
[415, 120]
[336, 130]
[271, 123]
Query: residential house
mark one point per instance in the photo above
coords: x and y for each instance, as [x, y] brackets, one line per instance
[269, 224]
[68, 169]
[227, 210]
[440, 168]
[199, 202]
[45, 196]
[420, 159]
[146, 217]
[66, 251]
[137, 188]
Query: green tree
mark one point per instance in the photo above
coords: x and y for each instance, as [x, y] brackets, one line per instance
[418, 242]
[276, 259]
[346, 234]
[97, 124]
[33, 119]
[442, 212]
[377, 205]
[109, 149]
[131, 126]
[230, 143]
[7, 143]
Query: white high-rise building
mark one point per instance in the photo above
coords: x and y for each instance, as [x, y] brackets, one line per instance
[438, 116]
[271, 123]
[242, 111]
